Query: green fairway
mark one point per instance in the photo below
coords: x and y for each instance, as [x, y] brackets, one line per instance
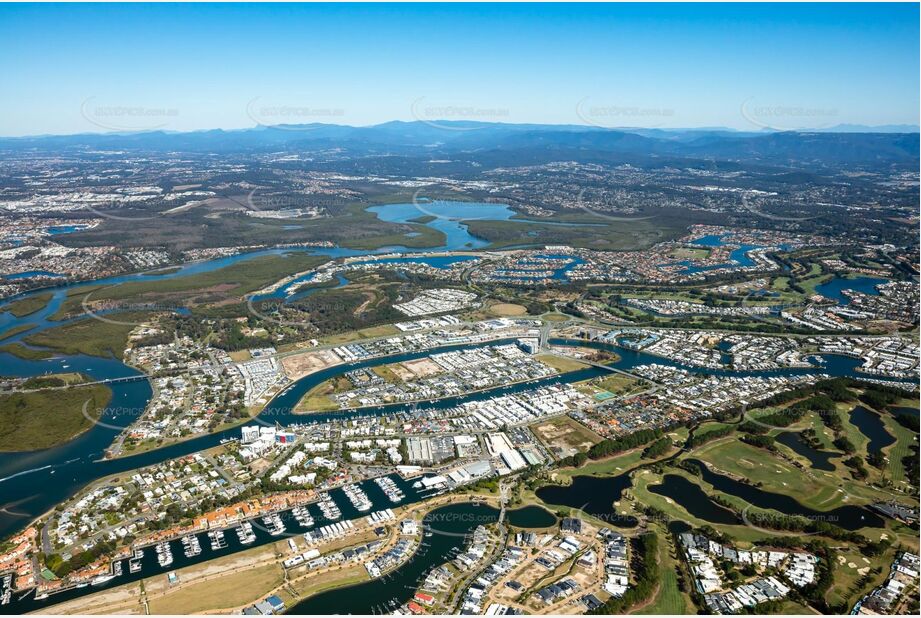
[669, 599]
[904, 437]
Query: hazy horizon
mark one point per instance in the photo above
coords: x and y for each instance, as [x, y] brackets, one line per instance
[746, 67]
[842, 128]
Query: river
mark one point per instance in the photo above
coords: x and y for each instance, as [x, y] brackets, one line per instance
[35, 481]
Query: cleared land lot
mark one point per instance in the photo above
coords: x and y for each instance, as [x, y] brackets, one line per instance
[566, 435]
[507, 309]
[300, 365]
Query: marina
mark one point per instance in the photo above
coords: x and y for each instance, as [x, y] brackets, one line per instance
[217, 539]
[190, 546]
[394, 494]
[303, 516]
[245, 533]
[164, 554]
[357, 497]
[134, 563]
[274, 524]
[328, 508]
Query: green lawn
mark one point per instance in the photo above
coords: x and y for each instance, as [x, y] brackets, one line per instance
[816, 489]
[643, 479]
[847, 574]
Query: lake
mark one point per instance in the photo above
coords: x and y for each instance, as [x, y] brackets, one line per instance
[448, 216]
[594, 495]
[531, 516]
[834, 289]
[871, 425]
[820, 459]
[850, 517]
[694, 500]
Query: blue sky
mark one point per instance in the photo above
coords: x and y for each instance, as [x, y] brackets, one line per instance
[80, 68]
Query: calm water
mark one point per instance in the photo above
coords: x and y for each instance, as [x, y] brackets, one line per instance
[63, 470]
[449, 527]
[448, 217]
[871, 425]
[436, 261]
[594, 495]
[694, 500]
[849, 517]
[904, 411]
[32, 482]
[150, 566]
[834, 288]
[31, 273]
[56, 230]
[738, 256]
[531, 516]
[820, 459]
[559, 274]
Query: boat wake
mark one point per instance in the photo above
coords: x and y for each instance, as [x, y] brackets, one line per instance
[24, 472]
[33, 470]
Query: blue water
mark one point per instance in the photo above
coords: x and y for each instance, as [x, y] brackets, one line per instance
[449, 216]
[559, 274]
[834, 288]
[31, 273]
[737, 256]
[55, 230]
[436, 261]
[150, 567]
[448, 219]
[711, 240]
[32, 482]
[341, 282]
[872, 426]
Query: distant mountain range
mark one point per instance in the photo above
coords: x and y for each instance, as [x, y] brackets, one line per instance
[845, 145]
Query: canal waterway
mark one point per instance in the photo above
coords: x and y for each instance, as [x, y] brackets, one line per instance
[834, 289]
[61, 471]
[151, 567]
[33, 482]
[447, 530]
